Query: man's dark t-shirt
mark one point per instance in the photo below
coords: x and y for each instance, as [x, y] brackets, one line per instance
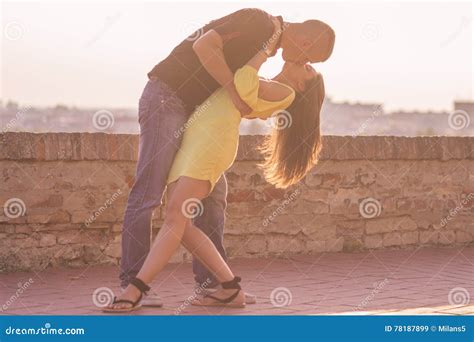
[243, 32]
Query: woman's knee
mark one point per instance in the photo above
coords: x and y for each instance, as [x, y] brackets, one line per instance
[173, 211]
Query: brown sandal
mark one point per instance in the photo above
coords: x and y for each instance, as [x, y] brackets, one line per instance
[225, 302]
[141, 286]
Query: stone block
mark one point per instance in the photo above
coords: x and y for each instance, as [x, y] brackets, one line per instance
[410, 238]
[373, 241]
[280, 244]
[392, 239]
[47, 240]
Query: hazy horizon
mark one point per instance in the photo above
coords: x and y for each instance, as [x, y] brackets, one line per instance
[91, 55]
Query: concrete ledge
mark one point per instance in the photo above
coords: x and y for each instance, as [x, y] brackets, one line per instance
[124, 147]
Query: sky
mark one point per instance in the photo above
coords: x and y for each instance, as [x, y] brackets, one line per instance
[410, 56]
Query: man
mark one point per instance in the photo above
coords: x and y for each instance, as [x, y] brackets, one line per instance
[179, 83]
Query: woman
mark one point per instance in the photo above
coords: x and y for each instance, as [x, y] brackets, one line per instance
[209, 147]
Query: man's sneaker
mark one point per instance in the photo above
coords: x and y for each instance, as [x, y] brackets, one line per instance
[250, 298]
[200, 290]
[152, 300]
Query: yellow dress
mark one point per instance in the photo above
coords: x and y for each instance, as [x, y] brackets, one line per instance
[211, 135]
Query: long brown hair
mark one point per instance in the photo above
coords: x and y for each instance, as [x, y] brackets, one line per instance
[294, 145]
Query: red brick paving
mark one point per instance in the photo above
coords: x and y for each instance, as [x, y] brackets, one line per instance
[379, 282]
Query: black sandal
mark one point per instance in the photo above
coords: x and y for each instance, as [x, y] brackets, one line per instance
[141, 286]
[226, 302]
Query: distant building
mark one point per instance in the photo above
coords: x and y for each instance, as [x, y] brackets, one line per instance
[468, 107]
[336, 119]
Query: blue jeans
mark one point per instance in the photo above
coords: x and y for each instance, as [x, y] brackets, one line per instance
[161, 115]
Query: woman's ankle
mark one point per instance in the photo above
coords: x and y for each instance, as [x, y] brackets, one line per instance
[232, 284]
[132, 291]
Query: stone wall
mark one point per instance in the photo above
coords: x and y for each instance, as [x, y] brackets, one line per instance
[64, 196]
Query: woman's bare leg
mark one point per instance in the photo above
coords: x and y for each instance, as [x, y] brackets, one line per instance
[199, 244]
[175, 227]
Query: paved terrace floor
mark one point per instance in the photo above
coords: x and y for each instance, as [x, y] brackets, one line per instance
[419, 281]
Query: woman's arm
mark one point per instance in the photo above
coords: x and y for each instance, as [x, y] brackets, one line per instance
[268, 90]
[273, 91]
[257, 60]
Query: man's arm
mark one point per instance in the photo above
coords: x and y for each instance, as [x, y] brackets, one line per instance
[209, 49]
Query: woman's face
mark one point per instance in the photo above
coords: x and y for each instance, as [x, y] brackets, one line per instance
[299, 74]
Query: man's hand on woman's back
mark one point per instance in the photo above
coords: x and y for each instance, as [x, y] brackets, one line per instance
[241, 106]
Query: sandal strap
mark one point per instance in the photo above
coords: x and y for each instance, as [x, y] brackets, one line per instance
[224, 300]
[140, 285]
[127, 301]
[233, 284]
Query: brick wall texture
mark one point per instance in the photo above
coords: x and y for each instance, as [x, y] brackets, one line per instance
[63, 197]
